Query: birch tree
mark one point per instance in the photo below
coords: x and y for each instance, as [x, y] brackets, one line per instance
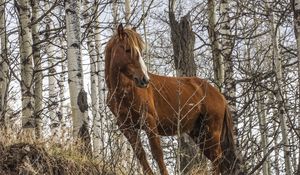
[97, 132]
[261, 114]
[226, 49]
[78, 96]
[115, 13]
[296, 10]
[262, 125]
[4, 73]
[218, 64]
[26, 57]
[278, 87]
[38, 78]
[127, 12]
[94, 76]
[147, 54]
[62, 114]
[52, 90]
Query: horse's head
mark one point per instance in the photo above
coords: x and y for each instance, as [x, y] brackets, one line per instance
[126, 56]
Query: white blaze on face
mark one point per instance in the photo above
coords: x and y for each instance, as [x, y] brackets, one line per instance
[143, 65]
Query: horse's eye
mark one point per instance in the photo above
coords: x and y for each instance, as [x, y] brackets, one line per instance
[128, 50]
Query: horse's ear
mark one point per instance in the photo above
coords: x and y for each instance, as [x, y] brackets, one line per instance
[134, 28]
[121, 30]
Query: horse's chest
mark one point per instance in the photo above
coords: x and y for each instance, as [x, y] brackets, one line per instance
[128, 110]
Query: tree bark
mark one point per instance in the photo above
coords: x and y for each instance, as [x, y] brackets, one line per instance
[97, 123]
[127, 12]
[52, 92]
[75, 75]
[28, 122]
[38, 74]
[62, 115]
[261, 114]
[183, 40]
[4, 72]
[296, 10]
[263, 132]
[278, 88]
[147, 54]
[218, 63]
[115, 14]
[226, 48]
[94, 76]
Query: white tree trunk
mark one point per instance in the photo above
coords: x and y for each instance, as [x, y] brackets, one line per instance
[226, 47]
[53, 84]
[229, 81]
[115, 14]
[100, 68]
[62, 114]
[278, 88]
[296, 9]
[28, 122]
[4, 73]
[127, 12]
[215, 46]
[94, 76]
[261, 114]
[98, 133]
[38, 79]
[263, 132]
[147, 54]
[75, 72]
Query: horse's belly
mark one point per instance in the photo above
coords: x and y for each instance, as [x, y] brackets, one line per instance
[171, 125]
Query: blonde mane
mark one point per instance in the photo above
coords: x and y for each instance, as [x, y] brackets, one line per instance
[131, 38]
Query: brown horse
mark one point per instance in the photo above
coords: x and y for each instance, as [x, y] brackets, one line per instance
[165, 106]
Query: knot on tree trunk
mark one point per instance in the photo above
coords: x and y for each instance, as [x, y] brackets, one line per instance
[82, 101]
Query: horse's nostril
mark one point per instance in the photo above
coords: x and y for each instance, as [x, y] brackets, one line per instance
[142, 81]
[145, 80]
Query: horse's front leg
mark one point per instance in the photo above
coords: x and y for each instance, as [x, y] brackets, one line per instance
[133, 137]
[154, 140]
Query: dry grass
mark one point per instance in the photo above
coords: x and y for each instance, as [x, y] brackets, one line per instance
[20, 155]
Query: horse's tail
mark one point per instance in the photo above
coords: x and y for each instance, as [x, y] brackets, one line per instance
[230, 163]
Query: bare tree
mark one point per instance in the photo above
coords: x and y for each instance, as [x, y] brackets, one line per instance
[278, 87]
[78, 96]
[52, 80]
[296, 10]
[38, 78]
[28, 121]
[93, 69]
[127, 12]
[218, 64]
[4, 71]
[115, 13]
[97, 129]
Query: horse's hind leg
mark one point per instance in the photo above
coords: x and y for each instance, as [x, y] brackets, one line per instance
[206, 134]
[212, 150]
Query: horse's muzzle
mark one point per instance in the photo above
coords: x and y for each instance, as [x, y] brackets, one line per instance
[141, 82]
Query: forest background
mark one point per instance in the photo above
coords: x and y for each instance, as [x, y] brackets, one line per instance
[52, 52]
